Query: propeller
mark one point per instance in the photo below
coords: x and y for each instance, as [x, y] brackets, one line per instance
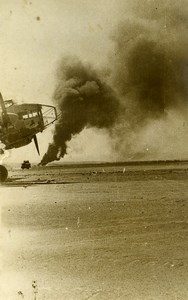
[36, 144]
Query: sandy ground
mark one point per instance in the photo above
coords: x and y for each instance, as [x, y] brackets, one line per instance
[95, 232]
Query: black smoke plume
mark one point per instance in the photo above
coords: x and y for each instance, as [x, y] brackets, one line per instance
[149, 69]
[148, 83]
[150, 73]
[84, 100]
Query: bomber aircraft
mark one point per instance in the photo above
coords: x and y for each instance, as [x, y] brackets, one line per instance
[20, 123]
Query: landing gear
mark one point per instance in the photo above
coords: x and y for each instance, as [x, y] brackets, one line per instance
[3, 173]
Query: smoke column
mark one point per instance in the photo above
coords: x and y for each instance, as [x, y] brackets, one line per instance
[151, 65]
[150, 74]
[84, 101]
[148, 85]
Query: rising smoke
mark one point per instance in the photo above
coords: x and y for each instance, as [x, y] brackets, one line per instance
[151, 75]
[84, 100]
[148, 86]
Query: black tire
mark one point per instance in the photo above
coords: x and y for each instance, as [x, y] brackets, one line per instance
[3, 173]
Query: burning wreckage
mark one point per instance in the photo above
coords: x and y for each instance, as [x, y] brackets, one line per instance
[139, 100]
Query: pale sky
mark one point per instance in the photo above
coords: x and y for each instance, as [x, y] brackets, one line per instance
[35, 35]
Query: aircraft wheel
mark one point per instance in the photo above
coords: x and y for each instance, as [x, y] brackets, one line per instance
[3, 173]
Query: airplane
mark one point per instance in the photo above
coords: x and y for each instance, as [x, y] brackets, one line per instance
[20, 123]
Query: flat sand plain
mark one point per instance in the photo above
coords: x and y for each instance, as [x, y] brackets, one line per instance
[96, 232]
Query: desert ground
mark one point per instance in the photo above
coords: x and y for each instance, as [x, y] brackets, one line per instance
[95, 231]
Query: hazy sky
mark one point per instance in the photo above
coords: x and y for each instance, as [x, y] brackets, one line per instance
[34, 35]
